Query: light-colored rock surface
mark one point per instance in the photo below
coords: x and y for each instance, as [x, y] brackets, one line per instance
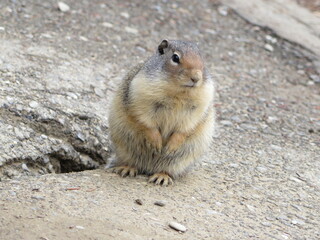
[284, 17]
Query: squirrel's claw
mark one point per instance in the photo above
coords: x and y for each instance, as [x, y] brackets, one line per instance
[124, 171]
[161, 179]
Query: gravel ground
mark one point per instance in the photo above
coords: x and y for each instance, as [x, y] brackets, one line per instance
[261, 178]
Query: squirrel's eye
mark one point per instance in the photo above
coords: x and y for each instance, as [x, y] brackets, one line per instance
[175, 58]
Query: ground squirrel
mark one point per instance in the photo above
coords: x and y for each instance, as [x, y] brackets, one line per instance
[162, 117]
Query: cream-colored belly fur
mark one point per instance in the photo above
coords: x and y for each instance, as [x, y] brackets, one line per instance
[180, 111]
[157, 106]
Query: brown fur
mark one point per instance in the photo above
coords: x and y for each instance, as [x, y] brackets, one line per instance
[159, 126]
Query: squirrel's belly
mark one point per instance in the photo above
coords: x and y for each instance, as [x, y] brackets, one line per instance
[169, 121]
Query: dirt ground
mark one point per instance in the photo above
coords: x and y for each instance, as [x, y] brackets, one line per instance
[261, 177]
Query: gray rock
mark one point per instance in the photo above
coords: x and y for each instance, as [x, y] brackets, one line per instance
[315, 78]
[226, 123]
[81, 136]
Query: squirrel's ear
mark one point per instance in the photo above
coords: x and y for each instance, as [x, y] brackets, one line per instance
[164, 44]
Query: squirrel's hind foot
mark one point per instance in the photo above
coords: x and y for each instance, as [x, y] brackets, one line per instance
[125, 171]
[160, 179]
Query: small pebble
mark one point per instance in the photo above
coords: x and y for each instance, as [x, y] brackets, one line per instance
[125, 15]
[210, 31]
[160, 203]
[138, 201]
[297, 221]
[38, 197]
[33, 104]
[19, 134]
[251, 208]
[63, 7]
[25, 167]
[131, 30]
[266, 224]
[99, 92]
[262, 169]
[275, 147]
[271, 39]
[81, 136]
[223, 10]
[315, 78]
[82, 38]
[177, 226]
[107, 25]
[268, 47]
[271, 119]
[226, 123]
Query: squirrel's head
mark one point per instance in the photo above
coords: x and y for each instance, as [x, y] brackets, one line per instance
[182, 63]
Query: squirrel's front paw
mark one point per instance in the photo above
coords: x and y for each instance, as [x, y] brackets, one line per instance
[161, 179]
[154, 138]
[175, 141]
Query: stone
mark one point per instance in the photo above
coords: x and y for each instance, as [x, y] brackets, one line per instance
[315, 78]
[297, 222]
[268, 47]
[177, 226]
[226, 123]
[25, 167]
[271, 39]
[223, 10]
[125, 15]
[131, 30]
[63, 7]
[160, 203]
[38, 197]
[107, 25]
[33, 104]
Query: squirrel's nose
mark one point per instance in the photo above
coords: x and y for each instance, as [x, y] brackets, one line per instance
[194, 79]
[196, 76]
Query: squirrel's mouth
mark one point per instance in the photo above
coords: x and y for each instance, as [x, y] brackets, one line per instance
[190, 85]
[193, 82]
